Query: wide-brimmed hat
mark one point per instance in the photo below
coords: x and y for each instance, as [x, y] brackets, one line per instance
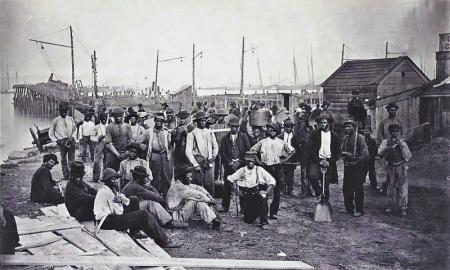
[182, 114]
[274, 126]
[117, 111]
[323, 116]
[63, 106]
[351, 122]
[221, 112]
[233, 120]
[139, 171]
[392, 105]
[288, 123]
[53, 157]
[182, 170]
[250, 156]
[200, 115]
[77, 168]
[160, 116]
[109, 173]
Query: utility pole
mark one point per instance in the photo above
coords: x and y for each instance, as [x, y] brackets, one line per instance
[71, 51]
[155, 89]
[17, 78]
[7, 77]
[309, 74]
[342, 54]
[194, 91]
[259, 71]
[295, 71]
[94, 72]
[241, 90]
[312, 66]
[386, 49]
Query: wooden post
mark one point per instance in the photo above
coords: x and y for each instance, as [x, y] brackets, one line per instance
[342, 54]
[72, 55]
[241, 92]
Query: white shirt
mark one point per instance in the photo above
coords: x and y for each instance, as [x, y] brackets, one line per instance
[249, 178]
[287, 137]
[104, 205]
[203, 142]
[62, 128]
[88, 129]
[272, 150]
[325, 146]
[233, 137]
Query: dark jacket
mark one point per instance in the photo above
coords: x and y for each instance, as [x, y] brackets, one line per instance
[78, 195]
[242, 145]
[178, 143]
[355, 108]
[133, 188]
[295, 142]
[372, 147]
[43, 187]
[303, 134]
[314, 146]
[357, 147]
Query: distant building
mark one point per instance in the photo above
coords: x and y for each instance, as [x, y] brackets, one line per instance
[184, 95]
[380, 80]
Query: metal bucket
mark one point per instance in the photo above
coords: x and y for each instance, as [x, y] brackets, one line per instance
[259, 117]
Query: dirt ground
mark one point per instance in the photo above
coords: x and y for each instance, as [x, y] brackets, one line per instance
[420, 240]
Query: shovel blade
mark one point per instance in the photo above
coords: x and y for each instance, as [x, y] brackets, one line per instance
[322, 212]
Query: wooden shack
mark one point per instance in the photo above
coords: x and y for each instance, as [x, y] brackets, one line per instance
[379, 80]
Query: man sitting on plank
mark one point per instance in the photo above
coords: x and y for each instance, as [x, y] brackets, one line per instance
[79, 197]
[115, 211]
[149, 198]
[43, 188]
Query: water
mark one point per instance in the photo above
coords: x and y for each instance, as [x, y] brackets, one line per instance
[15, 128]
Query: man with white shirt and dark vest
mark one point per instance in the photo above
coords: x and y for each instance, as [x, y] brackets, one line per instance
[63, 131]
[324, 150]
[274, 152]
[290, 138]
[201, 150]
[232, 149]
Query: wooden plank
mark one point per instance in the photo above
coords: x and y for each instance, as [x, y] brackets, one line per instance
[150, 261]
[153, 248]
[38, 243]
[50, 228]
[86, 242]
[60, 247]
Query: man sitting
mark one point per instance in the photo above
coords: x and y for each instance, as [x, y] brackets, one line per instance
[255, 184]
[9, 238]
[184, 199]
[43, 188]
[130, 163]
[79, 197]
[121, 213]
[149, 198]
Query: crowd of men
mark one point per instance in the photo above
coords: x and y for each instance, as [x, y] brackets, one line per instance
[159, 171]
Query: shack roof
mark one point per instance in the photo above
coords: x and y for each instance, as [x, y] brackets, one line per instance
[435, 88]
[365, 72]
[181, 89]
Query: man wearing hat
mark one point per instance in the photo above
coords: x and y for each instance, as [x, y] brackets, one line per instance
[274, 152]
[141, 108]
[185, 199]
[63, 131]
[257, 135]
[396, 153]
[201, 151]
[136, 129]
[158, 153]
[324, 149]
[232, 150]
[170, 122]
[99, 139]
[79, 197]
[220, 124]
[149, 198]
[370, 162]
[354, 153]
[118, 136]
[288, 169]
[303, 132]
[121, 213]
[127, 165]
[356, 110]
[178, 140]
[255, 184]
[86, 131]
[325, 110]
[43, 188]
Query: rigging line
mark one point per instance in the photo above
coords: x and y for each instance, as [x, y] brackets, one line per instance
[81, 43]
[49, 62]
[350, 49]
[52, 33]
[46, 61]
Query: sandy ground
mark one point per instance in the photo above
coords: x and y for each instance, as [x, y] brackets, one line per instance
[375, 241]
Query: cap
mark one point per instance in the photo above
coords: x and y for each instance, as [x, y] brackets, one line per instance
[250, 156]
[117, 111]
[350, 122]
[108, 174]
[200, 115]
[139, 171]
[47, 157]
[182, 114]
[392, 105]
[233, 120]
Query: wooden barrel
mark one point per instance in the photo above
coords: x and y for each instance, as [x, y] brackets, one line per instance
[259, 117]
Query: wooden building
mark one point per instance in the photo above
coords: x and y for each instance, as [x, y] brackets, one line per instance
[183, 95]
[378, 80]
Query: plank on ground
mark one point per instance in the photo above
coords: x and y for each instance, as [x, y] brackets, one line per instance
[150, 261]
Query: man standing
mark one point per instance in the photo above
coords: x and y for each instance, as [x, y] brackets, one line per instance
[170, 123]
[324, 150]
[149, 198]
[201, 150]
[118, 136]
[288, 169]
[303, 133]
[184, 199]
[354, 153]
[79, 197]
[178, 140]
[99, 139]
[136, 129]
[356, 110]
[220, 124]
[370, 162]
[232, 151]
[62, 131]
[87, 131]
[43, 187]
[121, 213]
[255, 184]
[272, 149]
[132, 161]
[396, 152]
[158, 154]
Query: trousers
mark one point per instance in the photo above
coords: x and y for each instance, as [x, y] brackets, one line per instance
[369, 168]
[288, 177]
[205, 178]
[191, 207]
[134, 219]
[254, 206]
[397, 189]
[111, 161]
[156, 209]
[160, 167]
[86, 144]
[227, 188]
[9, 238]
[84, 213]
[276, 172]
[306, 187]
[67, 157]
[315, 177]
[99, 161]
[353, 188]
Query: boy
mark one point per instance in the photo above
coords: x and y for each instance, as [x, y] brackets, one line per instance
[396, 152]
[370, 162]
[87, 130]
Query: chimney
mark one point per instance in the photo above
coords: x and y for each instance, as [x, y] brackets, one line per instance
[443, 57]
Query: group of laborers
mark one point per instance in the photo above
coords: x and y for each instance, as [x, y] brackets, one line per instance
[160, 173]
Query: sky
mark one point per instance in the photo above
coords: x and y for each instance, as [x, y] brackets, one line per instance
[127, 34]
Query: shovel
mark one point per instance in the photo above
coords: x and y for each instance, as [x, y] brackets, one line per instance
[323, 208]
